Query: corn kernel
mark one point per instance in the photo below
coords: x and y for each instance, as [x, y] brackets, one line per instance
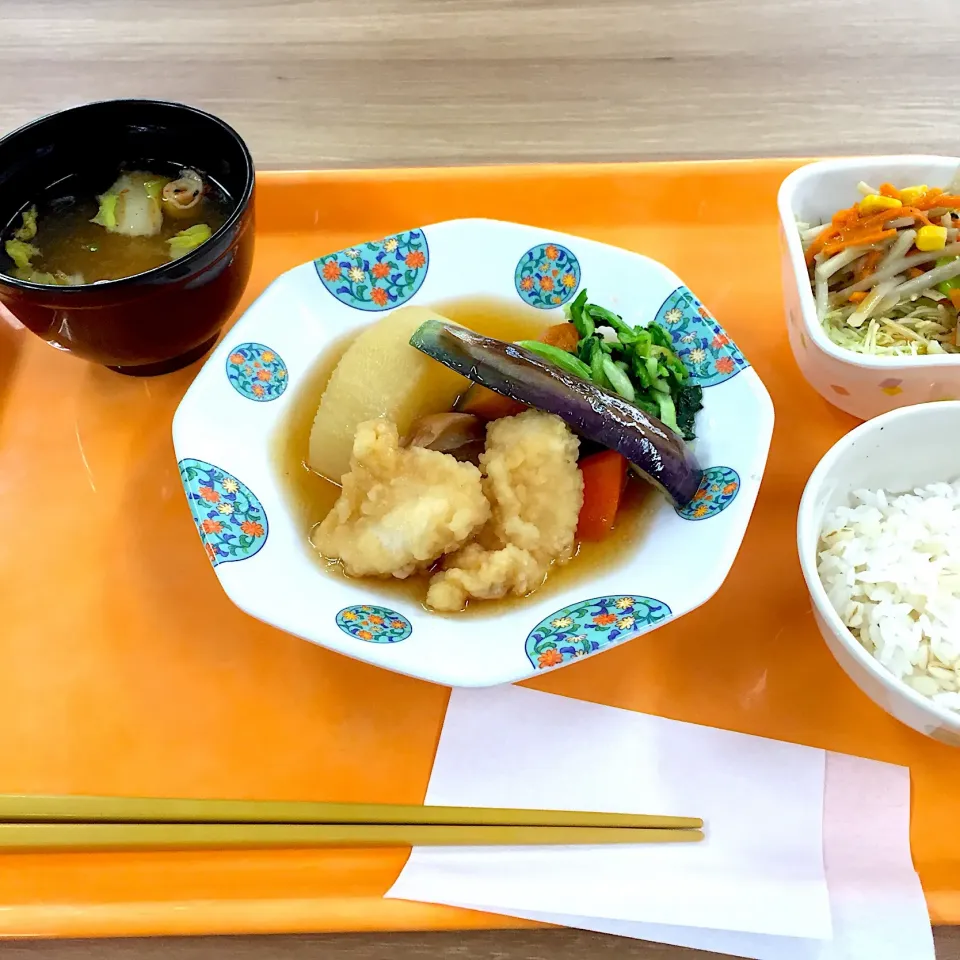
[910, 195]
[931, 238]
[874, 203]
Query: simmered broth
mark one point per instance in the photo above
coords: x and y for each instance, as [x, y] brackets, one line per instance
[70, 243]
[312, 496]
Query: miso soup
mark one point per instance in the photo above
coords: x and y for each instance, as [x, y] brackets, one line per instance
[139, 220]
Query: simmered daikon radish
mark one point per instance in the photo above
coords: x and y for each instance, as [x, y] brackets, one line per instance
[380, 375]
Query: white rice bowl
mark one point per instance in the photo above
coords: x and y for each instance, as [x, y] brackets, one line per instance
[890, 565]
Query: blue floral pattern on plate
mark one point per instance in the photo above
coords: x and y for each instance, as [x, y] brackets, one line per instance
[230, 520]
[718, 489]
[700, 342]
[547, 276]
[584, 628]
[377, 276]
[374, 624]
[256, 372]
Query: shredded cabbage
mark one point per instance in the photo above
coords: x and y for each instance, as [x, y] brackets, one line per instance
[918, 328]
[132, 206]
[58, 279]
[107, 214]
[189, 239]
[28, 230]
[21, 253]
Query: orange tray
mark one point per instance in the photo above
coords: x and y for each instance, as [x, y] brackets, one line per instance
[125, 670]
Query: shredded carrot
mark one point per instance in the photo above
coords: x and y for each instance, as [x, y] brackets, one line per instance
[932, 200]
[915, 272]
[858, 296]
[818, 243]
[487, 405]
[885, 216]
[604, 478]
[869, 265]
[841, 219]
[848, 215]
[954, 296]
[562, 335]
[857, 240]
[849, 229]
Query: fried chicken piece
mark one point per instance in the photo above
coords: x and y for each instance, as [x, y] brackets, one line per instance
[483, 574]
[533, 483]
[535, 487]
[400, 508]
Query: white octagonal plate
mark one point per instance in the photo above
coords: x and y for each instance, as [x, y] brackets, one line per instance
[225, 427]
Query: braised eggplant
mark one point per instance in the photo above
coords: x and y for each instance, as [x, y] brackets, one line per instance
[596, 414]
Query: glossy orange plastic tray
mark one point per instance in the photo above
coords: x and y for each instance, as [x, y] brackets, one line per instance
[125, 670]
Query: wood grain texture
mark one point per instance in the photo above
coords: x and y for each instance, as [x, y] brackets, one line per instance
[320, 83]
[472, 945]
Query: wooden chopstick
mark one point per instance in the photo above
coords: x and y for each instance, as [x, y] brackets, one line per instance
[70, 809]
[20, 837]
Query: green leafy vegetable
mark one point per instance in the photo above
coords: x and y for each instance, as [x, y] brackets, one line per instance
[597, 374]
[583, 323]
[658, 384]
[688, 402]
[191, 238]
[566, 361]
[619, 380]
[659, 336]
[638, 363]
[585, 348]
[28, 230]
[21, 253]
[668, 411]
[107, 214]
[638, 370]
[647, 405]
[607, 318]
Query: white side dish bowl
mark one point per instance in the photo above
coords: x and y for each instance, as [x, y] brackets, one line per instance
[864, 386]
[225, 429]
[898, 452]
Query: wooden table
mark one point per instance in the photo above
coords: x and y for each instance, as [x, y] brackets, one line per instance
[318, 83]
